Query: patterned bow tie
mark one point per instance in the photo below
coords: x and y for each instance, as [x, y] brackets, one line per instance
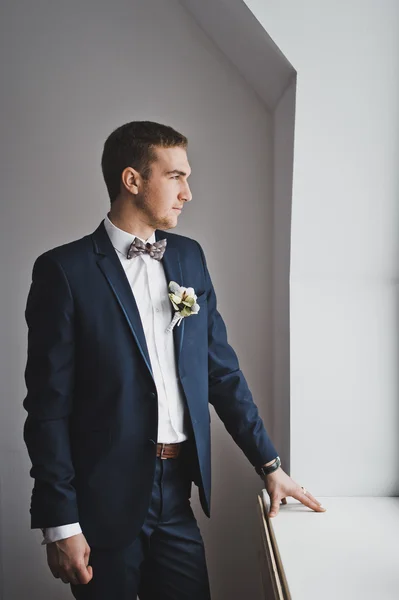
[155, 250]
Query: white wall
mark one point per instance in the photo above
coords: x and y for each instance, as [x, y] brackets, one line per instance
[344, 245]
[71, 73]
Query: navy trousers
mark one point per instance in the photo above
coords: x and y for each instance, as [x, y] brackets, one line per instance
[167, 560]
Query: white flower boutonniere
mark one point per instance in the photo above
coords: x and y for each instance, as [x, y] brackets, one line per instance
[184, 303]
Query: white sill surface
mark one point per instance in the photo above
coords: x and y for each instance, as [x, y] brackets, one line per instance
[349, 552]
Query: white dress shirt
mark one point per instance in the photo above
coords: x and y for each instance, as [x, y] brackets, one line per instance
[147, 279]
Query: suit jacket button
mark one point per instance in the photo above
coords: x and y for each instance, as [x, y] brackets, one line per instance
[153, 395]
[152, 441]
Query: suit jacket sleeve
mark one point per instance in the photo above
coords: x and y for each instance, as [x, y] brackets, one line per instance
[49, 378]
[228, 388]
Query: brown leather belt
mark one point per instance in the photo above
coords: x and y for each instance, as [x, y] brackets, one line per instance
[168, 450]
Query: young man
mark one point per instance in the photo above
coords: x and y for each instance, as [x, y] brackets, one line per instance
[118, 422]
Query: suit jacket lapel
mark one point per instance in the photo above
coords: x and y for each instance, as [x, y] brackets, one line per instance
[173, 272]
[114, 273]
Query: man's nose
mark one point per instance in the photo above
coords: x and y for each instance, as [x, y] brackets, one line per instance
[186, 194]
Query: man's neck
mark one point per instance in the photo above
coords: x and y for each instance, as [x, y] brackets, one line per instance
[130, 224]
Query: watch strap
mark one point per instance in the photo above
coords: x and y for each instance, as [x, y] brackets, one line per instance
[262, 471]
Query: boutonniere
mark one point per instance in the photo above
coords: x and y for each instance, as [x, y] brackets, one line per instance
[184, 303]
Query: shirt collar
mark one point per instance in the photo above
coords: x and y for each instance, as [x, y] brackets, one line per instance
[120, 239]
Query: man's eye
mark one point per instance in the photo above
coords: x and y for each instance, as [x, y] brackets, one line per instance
[176, 177]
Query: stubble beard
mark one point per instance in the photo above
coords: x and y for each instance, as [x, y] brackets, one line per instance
[156, 222]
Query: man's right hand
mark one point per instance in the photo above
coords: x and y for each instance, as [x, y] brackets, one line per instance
[68, 559]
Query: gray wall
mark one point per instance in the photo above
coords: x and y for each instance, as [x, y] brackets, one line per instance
[72, 73]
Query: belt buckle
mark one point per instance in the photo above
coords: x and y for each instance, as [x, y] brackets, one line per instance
[162, 451]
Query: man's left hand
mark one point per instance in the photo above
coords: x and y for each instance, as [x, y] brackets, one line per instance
[279, 485]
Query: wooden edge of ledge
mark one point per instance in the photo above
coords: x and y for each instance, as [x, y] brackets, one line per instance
[277, 574]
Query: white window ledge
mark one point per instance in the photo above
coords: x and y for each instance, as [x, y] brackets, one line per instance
[349, 552]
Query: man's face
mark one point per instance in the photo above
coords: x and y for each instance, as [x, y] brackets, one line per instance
[166, 190]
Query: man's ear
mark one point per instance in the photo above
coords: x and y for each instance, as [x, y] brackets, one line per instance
[131, 180]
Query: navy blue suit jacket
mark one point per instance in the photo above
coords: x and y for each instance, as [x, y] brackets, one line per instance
[91, 400]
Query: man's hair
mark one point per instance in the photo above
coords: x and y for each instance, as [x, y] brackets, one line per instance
[132, 145]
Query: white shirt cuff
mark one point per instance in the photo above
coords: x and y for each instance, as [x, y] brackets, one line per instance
[53, 534]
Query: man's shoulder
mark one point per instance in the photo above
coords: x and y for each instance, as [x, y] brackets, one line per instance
[67, 253]
[74, 251]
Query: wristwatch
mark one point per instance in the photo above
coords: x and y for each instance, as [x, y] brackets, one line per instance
[262, 471]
